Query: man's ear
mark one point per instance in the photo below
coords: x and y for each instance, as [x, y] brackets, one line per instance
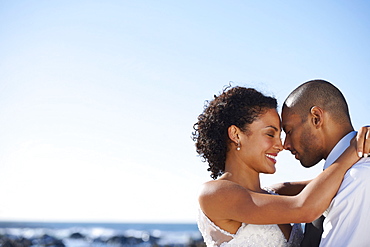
[317, 116]
[233, 133]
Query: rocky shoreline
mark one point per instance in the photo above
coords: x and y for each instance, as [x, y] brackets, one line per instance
[78, 239]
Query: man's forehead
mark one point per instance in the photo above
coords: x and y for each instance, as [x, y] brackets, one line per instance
[286, 112]
[288, 117]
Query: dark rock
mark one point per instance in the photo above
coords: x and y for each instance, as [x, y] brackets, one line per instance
[133, 240]
[120, 239]
[13, 241]
[99, 240]
[77, 235]
[48, 241]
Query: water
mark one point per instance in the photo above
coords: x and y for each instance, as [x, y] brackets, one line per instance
[39, 234]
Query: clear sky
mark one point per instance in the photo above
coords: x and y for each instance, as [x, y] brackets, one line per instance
[98, 98]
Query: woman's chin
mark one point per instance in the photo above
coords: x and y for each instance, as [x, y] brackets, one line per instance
[272, 170]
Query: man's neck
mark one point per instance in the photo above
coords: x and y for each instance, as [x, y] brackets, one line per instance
[339, 148]
[335, 135]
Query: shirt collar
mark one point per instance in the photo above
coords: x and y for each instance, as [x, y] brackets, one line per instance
[339, 149]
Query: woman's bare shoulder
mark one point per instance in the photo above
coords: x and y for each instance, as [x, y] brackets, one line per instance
[219, 198]
[219, 191]
[219, 186]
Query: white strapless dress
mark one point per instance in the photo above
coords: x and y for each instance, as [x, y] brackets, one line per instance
[247, 235]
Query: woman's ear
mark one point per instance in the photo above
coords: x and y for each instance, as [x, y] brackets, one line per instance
[317, 116]
[233, 133]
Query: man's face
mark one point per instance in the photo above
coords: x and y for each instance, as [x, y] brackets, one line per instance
[300, 139]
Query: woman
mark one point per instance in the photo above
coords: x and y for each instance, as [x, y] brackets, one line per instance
[238, 134]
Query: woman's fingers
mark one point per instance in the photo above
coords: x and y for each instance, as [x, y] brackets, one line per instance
[363, 142]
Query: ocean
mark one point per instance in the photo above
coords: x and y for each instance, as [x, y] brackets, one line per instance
[58, 234]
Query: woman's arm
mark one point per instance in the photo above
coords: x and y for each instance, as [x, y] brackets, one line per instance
[289, 188]
[225, 200]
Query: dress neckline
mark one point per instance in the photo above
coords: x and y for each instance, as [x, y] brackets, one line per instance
[244, 226]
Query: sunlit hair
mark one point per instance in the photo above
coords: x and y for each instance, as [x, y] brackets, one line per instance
[318, 93]
[237, 106]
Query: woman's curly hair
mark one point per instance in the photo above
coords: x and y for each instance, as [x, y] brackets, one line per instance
[237, 106]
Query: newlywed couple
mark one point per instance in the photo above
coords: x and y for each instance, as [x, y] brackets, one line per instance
[238, 134]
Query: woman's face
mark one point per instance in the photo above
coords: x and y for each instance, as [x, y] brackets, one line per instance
[261, 143]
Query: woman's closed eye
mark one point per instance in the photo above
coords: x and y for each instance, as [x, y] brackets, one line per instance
[271, 135]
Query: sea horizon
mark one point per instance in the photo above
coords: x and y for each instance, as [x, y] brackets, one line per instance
[164, 226]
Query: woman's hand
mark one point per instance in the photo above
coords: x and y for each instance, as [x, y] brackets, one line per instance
[363, 142]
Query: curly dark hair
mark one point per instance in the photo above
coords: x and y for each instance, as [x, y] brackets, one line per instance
[237, 106]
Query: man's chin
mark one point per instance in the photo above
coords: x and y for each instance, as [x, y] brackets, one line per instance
[307, 164]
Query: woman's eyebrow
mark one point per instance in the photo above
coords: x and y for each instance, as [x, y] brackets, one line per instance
[271, 126]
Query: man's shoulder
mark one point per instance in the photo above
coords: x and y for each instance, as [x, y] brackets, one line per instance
[355, 184]
[361, 165]
[359, 172]
[364, 161]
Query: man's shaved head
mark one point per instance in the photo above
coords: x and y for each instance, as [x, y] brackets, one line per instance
[318, 93]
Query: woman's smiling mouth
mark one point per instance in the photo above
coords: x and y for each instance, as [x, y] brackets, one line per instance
[271, 157]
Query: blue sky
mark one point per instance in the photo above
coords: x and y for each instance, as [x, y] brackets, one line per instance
[98, 98]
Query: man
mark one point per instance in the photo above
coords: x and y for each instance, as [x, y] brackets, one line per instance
[317, 124]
